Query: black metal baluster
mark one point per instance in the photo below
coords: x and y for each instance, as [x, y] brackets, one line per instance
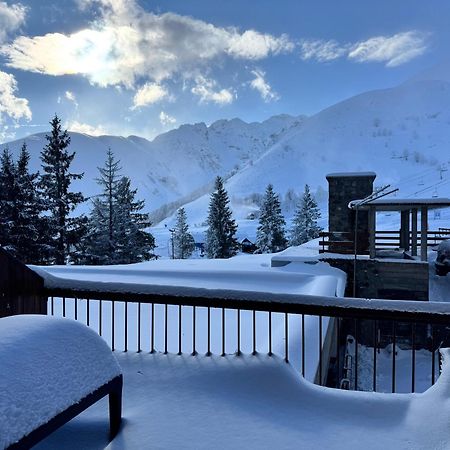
[238, 332]
[179, 329]
[393, 355]
[270, 333]
[375, 338]
[356, 352]
[208, 353]
[53, 306]
[433, 357]
[194, 350]
[100, 318]
[113, 337]
[254, 332]
[152, 334]
[139, 328]
[286, 337]
[126, 326]
[303, 345]
[64, 306]
[413, 359]
[87, 312]
[338, 350]
[165, 327]
[320, 350]
[76, 309]
[223, 331]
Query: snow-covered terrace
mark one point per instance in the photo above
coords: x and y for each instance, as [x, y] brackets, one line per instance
[237, 400]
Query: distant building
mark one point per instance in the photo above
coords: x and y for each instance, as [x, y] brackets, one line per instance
[247, 246]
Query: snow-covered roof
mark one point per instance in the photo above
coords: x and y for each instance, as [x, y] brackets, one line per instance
[399, 204]
[47, 365]
[351, 174]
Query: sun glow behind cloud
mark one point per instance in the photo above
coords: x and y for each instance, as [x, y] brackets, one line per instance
[129, 43]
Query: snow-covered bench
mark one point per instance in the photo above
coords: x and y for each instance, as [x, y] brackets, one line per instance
[51, 370]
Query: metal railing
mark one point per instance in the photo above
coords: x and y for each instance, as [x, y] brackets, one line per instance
[342, 242]
[396, 343]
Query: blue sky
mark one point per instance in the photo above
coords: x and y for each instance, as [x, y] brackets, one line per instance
[143, 66]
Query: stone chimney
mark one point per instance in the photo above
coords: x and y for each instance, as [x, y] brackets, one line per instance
[342, 189]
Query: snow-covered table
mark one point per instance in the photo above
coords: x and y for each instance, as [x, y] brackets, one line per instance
[51, 370]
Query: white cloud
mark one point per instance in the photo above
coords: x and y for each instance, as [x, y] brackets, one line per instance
[12, 106]
[71, 97]
[393, 50]
[11, 18]
[206, 90]
[321, 50]
[262, 86]
[148, 94]
[79, 127]
[128, 43]
[253, 45]
[165, 119]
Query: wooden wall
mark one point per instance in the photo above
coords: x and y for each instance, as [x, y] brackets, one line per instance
[20, 288]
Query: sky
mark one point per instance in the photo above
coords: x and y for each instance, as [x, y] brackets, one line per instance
[142, 67]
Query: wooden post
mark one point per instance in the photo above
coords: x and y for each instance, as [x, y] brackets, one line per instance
[424, 233]
[372, 229]
[414, 232]
[404, 230]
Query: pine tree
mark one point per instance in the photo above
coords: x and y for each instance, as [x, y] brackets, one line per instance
[63, 231]
[183, 241]
[220, 236]
[270, 235]
[133, 244]
[8, 192]
[306, 215]
[100, 240]
[29, 225]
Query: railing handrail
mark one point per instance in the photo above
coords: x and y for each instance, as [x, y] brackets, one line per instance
[399, 310]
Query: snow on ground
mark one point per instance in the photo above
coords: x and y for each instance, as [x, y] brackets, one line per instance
[254, 402]
[403, 374]
[47, 365]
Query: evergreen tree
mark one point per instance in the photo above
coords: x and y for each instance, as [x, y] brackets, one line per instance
[63, 231]
[270, 235]
[183, 241]
[133, 244]
[8, 192]
[100, 240]
[29, 225]
[306, 215]
[220, 236]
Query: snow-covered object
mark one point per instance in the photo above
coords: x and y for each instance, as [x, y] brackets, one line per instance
[220, 277]
[47, 364]
[260, 402]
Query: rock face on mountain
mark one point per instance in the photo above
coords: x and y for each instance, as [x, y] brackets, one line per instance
[177, 164]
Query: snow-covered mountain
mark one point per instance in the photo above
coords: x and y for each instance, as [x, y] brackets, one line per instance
[401, 133]
[177, 165]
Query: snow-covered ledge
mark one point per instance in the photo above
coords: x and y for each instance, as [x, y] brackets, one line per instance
[48, 364]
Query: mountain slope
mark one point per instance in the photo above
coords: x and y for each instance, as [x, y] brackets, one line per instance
[398, 133]
[175, 164]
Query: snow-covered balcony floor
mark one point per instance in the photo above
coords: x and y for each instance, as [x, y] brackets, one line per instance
[254, 402]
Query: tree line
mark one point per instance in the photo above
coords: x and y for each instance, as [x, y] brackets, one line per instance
[39, 224]
[38, 220]
[271, 234]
